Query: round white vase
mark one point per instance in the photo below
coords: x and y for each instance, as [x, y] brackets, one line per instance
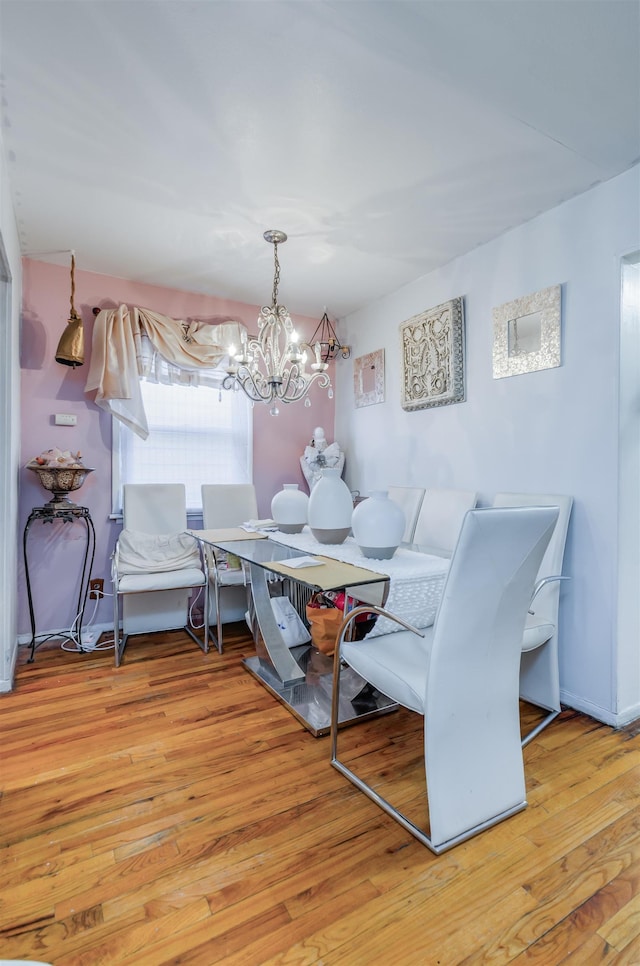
[378, 526]
[289, 508]
[330, 508]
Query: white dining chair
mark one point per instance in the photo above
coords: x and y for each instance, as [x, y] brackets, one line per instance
[409, 499]
[440, 519]
[540, 665]
[461, 675]
[226, 505]
[156, 565]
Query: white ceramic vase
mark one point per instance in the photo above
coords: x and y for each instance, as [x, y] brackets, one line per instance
[289, 508]
[330, 508]
[378, 526]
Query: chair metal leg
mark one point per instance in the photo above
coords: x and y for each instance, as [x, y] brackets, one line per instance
[206, 612]
[539, 727]
[201, 644]
[119, 643]
[218, 619]
[217, 637]
[382, 803]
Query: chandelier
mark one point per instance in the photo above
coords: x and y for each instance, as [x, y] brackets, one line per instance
[272, 367]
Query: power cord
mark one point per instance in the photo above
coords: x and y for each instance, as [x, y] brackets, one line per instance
[74, 635]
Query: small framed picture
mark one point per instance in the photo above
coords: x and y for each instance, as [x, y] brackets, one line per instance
[368, 378]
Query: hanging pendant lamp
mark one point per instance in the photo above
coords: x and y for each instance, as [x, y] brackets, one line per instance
[70, 351]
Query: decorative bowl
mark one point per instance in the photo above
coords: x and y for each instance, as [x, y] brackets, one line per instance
[60, 480]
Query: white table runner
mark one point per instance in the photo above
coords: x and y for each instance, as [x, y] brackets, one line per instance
[416, 579]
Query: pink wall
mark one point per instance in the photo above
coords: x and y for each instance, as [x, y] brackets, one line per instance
[55, 552]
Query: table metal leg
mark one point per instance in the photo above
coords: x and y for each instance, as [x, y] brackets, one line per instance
[269, 638]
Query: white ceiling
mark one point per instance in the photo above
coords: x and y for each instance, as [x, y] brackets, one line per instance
[160, 139]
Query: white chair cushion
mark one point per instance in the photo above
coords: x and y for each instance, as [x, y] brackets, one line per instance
[154, 552]
[402, 659]
[164, 580]
[536, 632]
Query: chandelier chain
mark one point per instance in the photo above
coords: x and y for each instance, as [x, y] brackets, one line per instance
[276, 275]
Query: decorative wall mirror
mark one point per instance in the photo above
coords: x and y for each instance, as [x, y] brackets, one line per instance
[368, 378]
[526, 333]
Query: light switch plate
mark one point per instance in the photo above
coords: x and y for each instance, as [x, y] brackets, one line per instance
[65, 419]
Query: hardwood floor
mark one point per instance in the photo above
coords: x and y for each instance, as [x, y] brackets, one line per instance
[171, 811]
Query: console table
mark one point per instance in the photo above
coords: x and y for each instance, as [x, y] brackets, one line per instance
[67, 513]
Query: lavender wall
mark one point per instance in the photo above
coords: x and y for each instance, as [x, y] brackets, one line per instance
[55, 552]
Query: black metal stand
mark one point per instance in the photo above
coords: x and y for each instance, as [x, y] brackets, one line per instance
[68, 513]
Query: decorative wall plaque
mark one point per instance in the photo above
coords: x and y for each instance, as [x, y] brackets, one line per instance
[368, 378]
[433, 357]
[526, 333]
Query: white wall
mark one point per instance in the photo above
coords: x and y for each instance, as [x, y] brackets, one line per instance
[554, 431]
[10, 294]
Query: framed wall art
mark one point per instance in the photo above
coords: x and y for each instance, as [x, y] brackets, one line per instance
[433, 357]
[368, 378]
[526, 333]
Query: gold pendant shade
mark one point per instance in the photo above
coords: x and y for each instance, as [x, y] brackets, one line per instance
[70, 351]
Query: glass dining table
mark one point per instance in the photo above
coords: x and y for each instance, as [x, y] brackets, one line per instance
[300, 677]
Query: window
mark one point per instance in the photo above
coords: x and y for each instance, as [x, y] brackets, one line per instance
[196, 435]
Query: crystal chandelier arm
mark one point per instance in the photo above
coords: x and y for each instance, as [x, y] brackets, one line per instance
[255, 385]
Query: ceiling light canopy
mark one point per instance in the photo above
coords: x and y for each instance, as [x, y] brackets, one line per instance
[272, 368]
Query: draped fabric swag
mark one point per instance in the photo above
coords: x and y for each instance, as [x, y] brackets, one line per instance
[130, 345]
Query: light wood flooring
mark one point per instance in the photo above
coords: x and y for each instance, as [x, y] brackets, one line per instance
[172, 811]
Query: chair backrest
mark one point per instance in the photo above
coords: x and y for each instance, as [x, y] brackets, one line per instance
[409, 499]
[440, 519]
[228, 504]
[547, 601]
[154, 507]
[472, 723]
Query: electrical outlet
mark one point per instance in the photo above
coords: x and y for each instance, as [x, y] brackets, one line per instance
[96, 588]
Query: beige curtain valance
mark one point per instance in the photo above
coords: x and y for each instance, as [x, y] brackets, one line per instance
[133, 344]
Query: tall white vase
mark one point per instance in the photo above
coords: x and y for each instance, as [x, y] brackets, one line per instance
[330, 508]
[289, 508]
[378, 526]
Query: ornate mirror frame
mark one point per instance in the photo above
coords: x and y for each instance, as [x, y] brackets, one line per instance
[433, 357]
[526, 333]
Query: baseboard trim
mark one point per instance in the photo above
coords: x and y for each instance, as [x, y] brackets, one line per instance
[616, 719]
[96, 628]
